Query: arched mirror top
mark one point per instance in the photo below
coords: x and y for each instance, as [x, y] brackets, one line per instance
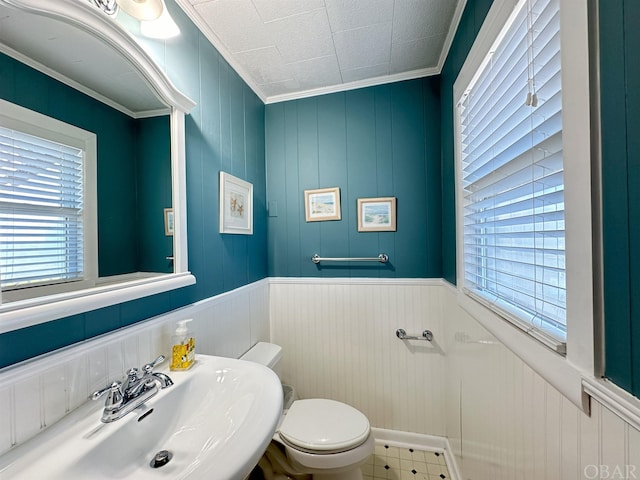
[75, 42]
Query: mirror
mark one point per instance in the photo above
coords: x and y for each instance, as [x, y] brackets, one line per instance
[142, 125]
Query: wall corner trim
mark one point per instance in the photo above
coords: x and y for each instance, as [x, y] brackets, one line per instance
[620, 402]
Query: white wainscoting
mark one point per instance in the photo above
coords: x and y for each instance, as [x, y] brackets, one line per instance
[502, 419]
[338, 339]
[37, 393]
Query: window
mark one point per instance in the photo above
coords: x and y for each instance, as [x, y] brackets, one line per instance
[40, 211]
[510, 171]
[45, 173]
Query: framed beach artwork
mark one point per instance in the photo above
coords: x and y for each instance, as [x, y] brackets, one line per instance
[377, 214]
[168, 221]
[322, 204]
[236, 205]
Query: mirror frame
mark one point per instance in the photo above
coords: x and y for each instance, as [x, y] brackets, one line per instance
[83, 15]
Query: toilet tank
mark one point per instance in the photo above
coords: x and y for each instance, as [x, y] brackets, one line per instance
[268, 354]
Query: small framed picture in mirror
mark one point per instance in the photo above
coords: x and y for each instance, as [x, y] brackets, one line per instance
[168, 221]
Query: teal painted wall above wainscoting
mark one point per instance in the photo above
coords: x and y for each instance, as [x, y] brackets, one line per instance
[154, 194]
[620, 137]
[381, 141]
[474, 13]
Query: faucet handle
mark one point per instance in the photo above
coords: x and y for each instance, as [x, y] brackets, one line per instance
[114, 387]
[149, 366]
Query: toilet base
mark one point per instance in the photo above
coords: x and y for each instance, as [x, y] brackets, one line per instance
[355, 474]
[277, 465]
[335, 466]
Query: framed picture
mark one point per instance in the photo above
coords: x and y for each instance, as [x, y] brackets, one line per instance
[322, 204]
[377, 214]
[168, 221]
[236, 205]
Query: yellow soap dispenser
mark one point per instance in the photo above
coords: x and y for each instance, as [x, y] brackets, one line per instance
[184, 347]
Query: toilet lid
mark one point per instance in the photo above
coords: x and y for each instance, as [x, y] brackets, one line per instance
[324, 425]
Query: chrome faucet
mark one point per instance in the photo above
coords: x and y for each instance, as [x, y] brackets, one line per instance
[138, 387]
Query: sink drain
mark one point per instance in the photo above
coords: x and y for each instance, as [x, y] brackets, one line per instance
[161, 458]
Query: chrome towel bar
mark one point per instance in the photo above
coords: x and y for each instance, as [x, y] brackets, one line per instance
[426, 335]
[382, 258]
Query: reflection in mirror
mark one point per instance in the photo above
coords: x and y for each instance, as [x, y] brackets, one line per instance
[134, 188]
[121, 97]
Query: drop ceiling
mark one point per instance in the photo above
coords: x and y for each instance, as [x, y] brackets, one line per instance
[286, 49]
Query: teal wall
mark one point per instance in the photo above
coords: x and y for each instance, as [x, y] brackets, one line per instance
[620, 116]
[154, 194]
[225, 131]
[372, 142]
[474, 13]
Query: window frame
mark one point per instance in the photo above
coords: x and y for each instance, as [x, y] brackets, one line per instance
[22, 119]
[520, 315]
[564, 372]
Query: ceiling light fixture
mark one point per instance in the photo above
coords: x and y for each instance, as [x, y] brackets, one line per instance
[143, 10]
[163, 27]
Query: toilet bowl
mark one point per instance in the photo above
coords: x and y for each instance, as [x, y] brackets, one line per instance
[324, 438]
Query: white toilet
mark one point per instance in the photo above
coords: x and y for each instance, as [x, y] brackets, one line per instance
[321, 437]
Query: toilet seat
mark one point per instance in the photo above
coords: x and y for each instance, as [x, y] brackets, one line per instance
[323, 426]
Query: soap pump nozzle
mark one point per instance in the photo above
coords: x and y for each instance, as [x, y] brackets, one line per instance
[182, 327]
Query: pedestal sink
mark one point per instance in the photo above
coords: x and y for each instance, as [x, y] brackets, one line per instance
[214, 423]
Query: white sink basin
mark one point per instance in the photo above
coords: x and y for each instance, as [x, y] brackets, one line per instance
[216, 420]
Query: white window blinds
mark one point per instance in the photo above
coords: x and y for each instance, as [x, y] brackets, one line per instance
[41, 211]
[511, 170]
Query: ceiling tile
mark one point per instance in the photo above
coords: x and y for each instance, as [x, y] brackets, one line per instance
[416, 55]
[265, 65]
[270, 10]
[357, 74]
[236, 23]
[415, 19]
[288, 46]
[316, 73]
[350, 14]
[280, 88]
[302, 37]
[353, 47]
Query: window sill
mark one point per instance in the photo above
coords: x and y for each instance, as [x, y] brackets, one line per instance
[26, 313]
[620, 402]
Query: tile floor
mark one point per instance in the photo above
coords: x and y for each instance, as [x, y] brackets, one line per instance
[400, 463]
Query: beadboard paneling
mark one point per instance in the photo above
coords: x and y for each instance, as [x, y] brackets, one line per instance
[501, 418]
[339, 342]
[504, 421]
